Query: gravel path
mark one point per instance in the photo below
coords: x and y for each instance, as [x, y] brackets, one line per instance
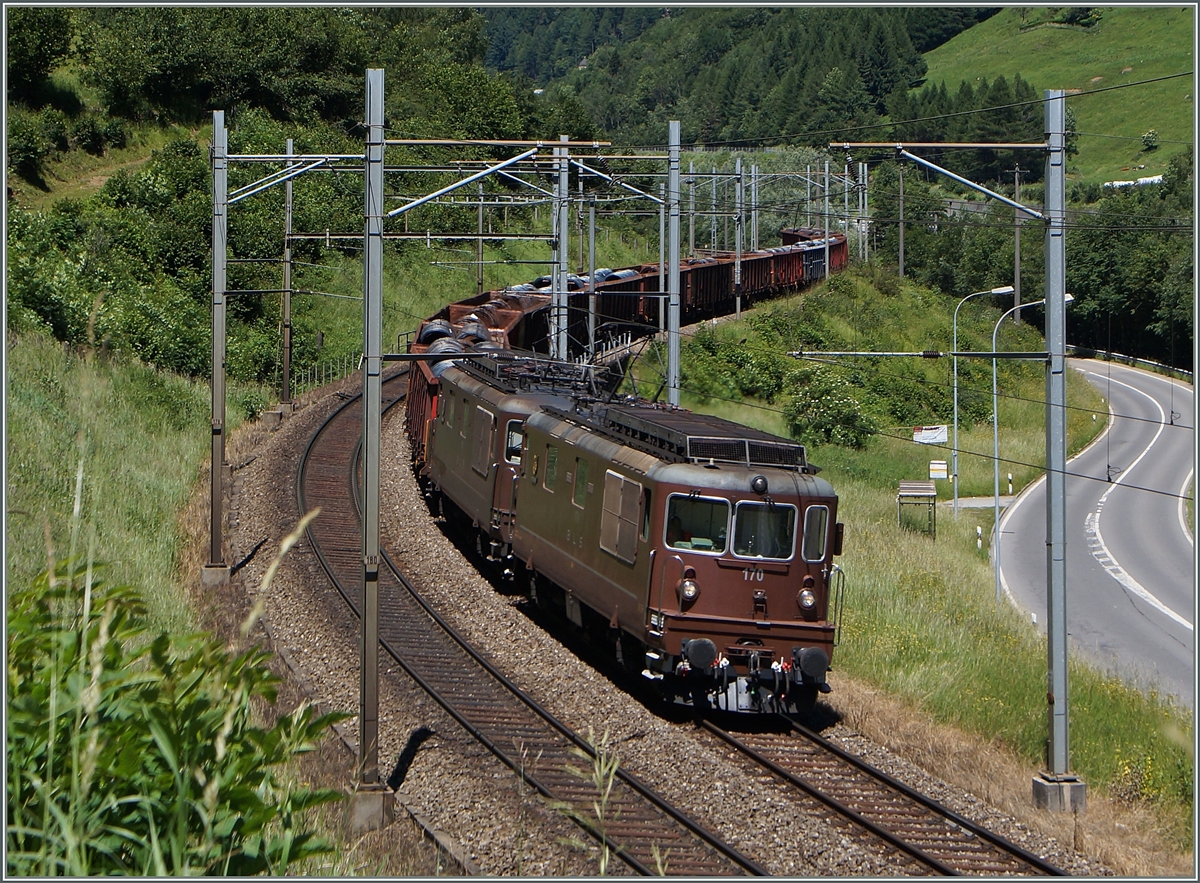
[458, 787]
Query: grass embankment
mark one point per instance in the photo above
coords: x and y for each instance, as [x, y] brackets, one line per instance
[921, 622]
[129, 440]
[1129, 44]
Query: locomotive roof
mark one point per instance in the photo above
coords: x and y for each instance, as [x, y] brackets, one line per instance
[683, 436]
[511, 372]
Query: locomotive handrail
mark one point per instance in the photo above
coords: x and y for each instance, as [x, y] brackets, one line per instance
[662, 582]
[839, 592]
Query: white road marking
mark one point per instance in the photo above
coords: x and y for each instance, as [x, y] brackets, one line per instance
[1187, 530]
[1100, 551]
[1091, 522]
[1102, 555]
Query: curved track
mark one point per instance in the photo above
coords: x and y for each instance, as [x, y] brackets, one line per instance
[939, 839]
[642, 828]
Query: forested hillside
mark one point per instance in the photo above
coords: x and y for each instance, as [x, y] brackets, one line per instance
[95, 91]
[726, 74]
[745, 78]
[128, 264]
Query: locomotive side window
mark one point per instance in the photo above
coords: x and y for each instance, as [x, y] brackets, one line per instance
[816, 520]
[514, 443]
[762, 530]
[620, 519]
[700, 523]
[581, 479]
[551, 467]
[448, 411]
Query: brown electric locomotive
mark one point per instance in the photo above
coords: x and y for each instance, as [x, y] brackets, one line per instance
[702, 549]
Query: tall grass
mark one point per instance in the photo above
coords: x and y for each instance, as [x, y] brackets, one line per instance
[138, 434]
[135, 753]
[922, 624]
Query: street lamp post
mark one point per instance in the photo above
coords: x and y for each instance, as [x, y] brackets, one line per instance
[996, 435]
[1005, 289]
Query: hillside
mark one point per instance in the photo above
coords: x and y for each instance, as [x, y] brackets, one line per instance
[1128, 45]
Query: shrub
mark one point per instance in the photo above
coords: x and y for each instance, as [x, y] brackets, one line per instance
[88, 134]
[1150, 140]
[135, 756]
[114, 132]
[27, 146]
[822, 413]
[53, 123]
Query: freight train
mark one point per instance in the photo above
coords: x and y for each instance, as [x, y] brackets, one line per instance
[700, 550]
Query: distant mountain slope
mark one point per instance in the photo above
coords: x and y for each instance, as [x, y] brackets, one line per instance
[737, 72]
[1128, 44]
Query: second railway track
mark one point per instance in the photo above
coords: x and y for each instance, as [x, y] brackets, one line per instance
[642, 829]
[937, 838]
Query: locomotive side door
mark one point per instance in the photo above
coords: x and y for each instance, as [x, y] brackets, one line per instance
[507, 471]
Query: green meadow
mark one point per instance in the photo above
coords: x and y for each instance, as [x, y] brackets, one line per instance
[1128, 45]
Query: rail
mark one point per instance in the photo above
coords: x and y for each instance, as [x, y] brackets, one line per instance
[931, 834]
[510, 724]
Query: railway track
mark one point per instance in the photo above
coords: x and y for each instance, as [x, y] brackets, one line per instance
[641, 828]
[937, 838]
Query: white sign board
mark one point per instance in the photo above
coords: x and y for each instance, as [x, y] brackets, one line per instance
[938, 469]
[930, 435]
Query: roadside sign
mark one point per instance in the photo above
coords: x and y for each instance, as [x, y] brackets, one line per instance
[930, 435]
[938, 469]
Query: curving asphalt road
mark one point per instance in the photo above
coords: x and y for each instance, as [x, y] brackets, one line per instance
[1130, 552]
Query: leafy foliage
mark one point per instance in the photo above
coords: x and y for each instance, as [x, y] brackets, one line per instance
[1129, 265]
[823, 413]
[131, 755]
[37, 39]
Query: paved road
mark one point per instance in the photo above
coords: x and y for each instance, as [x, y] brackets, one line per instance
[1130, 571]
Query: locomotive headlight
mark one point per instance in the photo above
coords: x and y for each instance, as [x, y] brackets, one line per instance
[689, 590]
[807, 599]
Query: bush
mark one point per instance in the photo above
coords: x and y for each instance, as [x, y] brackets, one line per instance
[27, 147]
[135, 756]
[114, 132]
[822, 413]
[88, 134]
[53, 123]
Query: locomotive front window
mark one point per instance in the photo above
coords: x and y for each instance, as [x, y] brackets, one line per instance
[764, 530]
[700, 523]
[816, 520]
[514, 443]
